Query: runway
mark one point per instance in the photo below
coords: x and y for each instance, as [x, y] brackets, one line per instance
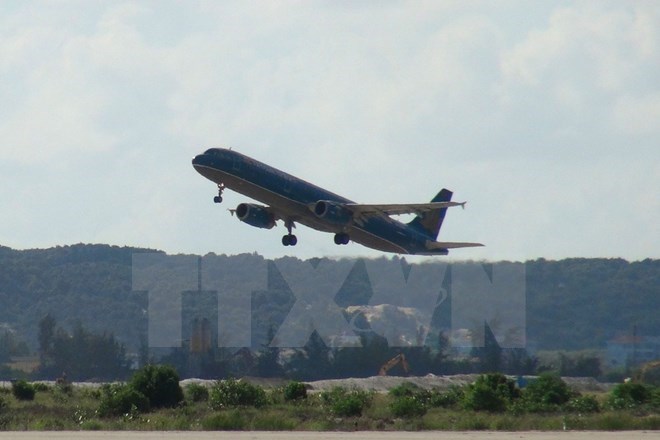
[360, 435]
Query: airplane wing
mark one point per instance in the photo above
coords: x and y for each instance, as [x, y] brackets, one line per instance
[362, 210]
[449, 245]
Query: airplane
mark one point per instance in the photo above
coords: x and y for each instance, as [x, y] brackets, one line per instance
[293, 200]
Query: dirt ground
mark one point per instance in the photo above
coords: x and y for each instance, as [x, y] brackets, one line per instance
[384, 383]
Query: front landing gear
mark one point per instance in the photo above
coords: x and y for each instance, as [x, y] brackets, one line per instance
[218, 198]
[289, 239]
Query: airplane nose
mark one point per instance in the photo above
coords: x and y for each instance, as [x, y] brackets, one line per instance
[200, 159]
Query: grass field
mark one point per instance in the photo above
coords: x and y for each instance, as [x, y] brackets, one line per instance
[73, 408]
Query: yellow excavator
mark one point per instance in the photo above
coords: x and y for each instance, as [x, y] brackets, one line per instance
[398, 359]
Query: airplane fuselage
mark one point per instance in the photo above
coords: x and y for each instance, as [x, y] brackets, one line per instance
[292, 199]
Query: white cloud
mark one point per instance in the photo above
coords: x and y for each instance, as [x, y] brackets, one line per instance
[638, 115]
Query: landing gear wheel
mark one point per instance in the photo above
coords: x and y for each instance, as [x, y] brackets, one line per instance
[289, 240]
[342, 238]
[217, 199]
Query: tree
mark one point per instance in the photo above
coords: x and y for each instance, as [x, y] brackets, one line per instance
[361, 361]
[312, 362]
[80, 355]
[46, 338]
[441, 346]
[582, 366]
[519, 362]
[490, 355]
[267, 359]
[10, 345]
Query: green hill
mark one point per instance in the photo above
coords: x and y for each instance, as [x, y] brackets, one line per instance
[574, 303]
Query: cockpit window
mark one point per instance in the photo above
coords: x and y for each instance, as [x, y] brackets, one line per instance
[214, 151]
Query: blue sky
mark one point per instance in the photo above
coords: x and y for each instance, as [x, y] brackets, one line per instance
[544, 116]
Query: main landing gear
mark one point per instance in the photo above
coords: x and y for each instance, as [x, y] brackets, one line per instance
[289, 239]
[342, 238]
[218, 198]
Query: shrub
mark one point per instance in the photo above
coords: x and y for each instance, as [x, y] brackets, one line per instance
[232, 392]
[636, 392]
[582, 404]
[525, 405]
[91, 425]
[40, 387]
[490, 392]
[549, 393]
[64, 388]
[446, 399]
[272, 422]
[348, 406]
[649, 374]
[410, 400]
[295, 391]
[345, 403]
[121, 399]
[159, 384]
[92, 393]
[229, 421]
[629, 395]
[654, 400]
[22, 390]
[480, 397]
[408, 406]
[406, 389]
[197, 392]
[547, 389]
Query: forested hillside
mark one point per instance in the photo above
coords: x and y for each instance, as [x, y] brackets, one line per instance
[583, 302]
[571, 304]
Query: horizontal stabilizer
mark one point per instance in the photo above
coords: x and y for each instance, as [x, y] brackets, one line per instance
[449, 245]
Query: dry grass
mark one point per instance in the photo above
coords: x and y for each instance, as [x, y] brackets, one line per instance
[57, 409]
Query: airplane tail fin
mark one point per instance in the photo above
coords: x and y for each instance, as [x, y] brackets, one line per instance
[430, 222]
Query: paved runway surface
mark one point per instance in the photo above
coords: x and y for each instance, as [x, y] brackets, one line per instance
[361, 435]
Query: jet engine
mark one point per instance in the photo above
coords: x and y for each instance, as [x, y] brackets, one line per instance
[255, 215]
[333, 212]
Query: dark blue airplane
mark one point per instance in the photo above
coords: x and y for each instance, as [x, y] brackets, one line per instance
[293, 200]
